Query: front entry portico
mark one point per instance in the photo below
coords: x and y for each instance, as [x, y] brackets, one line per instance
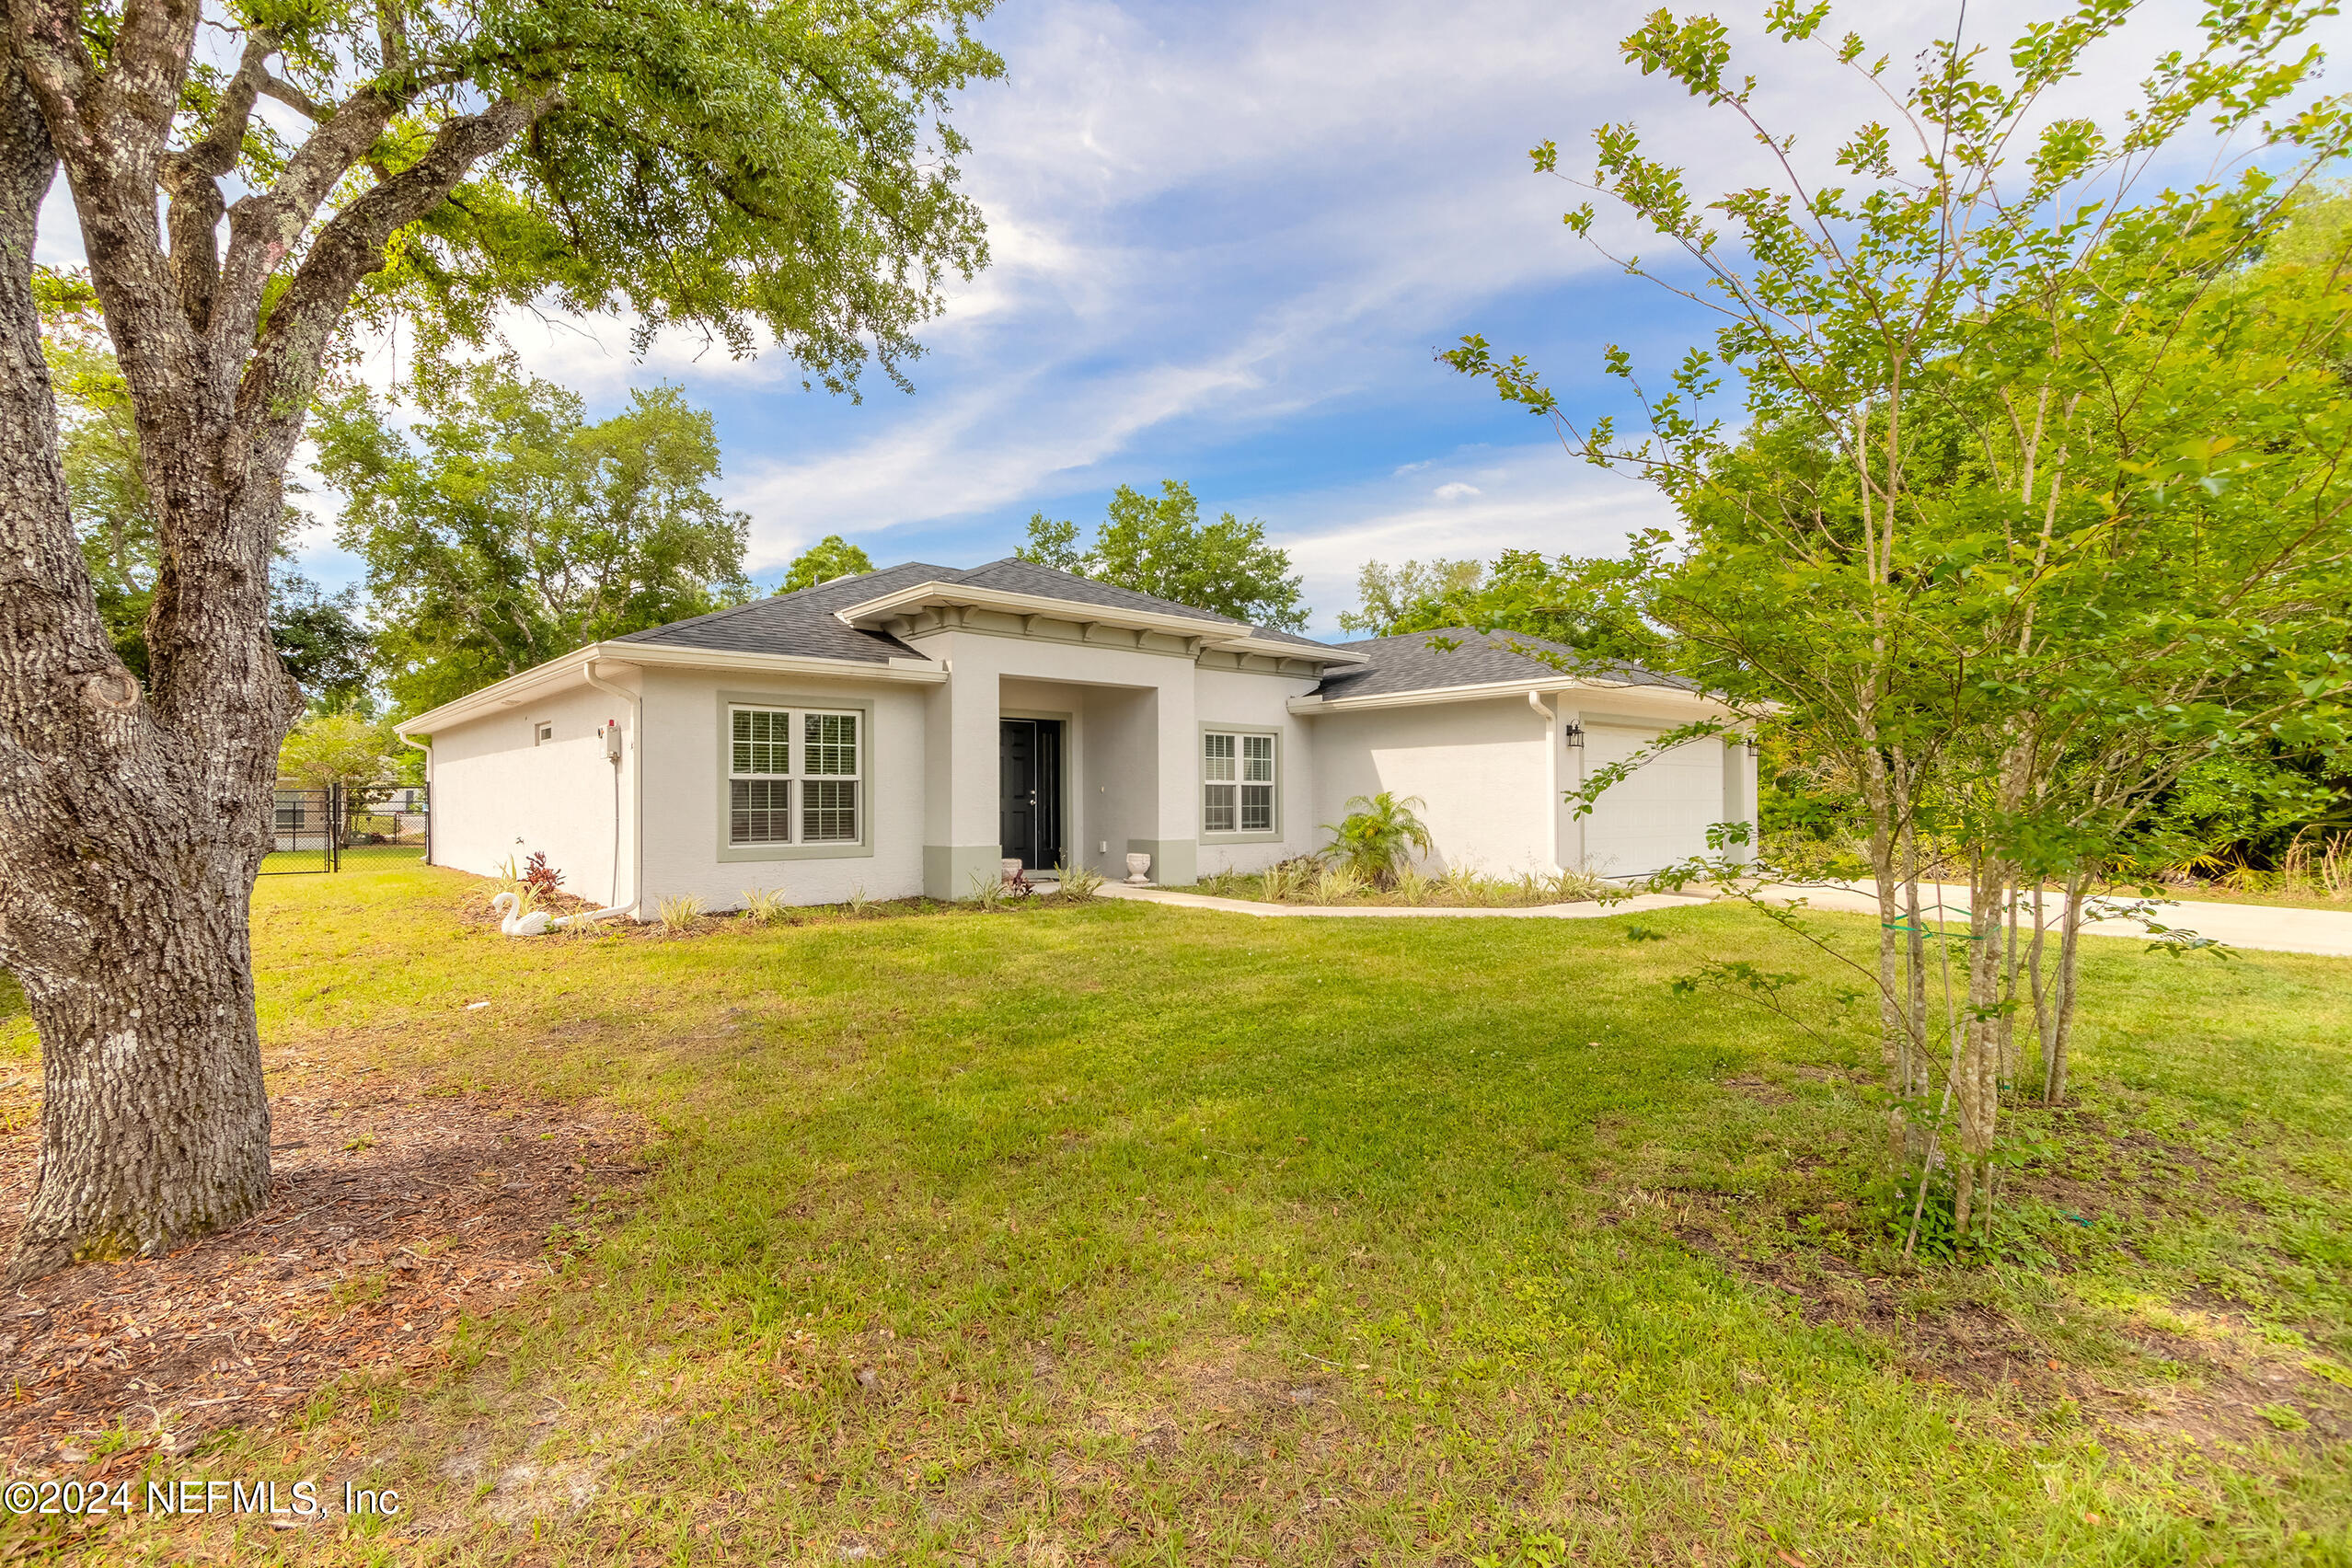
[1090, 705]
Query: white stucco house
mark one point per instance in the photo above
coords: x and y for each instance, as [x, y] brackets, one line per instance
[903, 731]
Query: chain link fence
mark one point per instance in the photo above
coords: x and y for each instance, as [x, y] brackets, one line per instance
[317, 830]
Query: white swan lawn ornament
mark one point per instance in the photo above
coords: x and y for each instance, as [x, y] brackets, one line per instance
[537, 923]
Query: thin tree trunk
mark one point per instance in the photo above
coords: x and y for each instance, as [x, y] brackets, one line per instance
[1894, 1029]
[2054, 1064]
[1979, 1060]
[1919, 1075]
[2038, 983]
[2013, 906]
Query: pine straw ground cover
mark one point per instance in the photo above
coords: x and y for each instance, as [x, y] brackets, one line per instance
[1118, 1233]
[393, 1212]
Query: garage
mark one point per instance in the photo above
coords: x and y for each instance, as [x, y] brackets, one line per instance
[1658, 816]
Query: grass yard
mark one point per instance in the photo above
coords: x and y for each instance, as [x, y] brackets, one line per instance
[1127, 1234]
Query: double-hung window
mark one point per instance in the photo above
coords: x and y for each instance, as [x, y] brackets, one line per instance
[1237, 782]
[794, 776]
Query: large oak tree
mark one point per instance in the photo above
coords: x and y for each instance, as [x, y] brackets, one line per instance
[243, 178]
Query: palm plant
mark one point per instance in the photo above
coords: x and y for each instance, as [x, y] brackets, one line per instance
[1373, 839]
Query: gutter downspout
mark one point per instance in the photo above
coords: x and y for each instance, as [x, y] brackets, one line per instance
[406, 740]
[1551, 776]
[637, 797]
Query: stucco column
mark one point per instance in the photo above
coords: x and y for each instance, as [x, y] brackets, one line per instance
[1739, 795]
[1175, 814]
[959, 768]
[1571, 827]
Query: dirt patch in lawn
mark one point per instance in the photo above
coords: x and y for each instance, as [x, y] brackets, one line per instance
[2222, 1386]
[393, 1209]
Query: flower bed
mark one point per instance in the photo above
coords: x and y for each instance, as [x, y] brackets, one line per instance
[1310, 882]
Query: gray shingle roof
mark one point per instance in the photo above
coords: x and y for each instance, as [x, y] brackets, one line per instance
[1461, 656]
[1013, 575]
[803, 622]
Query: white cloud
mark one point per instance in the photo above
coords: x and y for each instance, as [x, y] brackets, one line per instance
[1535, 498]
[1456, 490]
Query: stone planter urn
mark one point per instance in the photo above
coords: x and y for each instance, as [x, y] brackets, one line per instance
[1138, 870]
[1012, 869]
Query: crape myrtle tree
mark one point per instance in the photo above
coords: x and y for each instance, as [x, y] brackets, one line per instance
[243, 177]
[2038, 499]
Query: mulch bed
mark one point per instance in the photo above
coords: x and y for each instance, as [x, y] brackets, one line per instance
[392, 1210]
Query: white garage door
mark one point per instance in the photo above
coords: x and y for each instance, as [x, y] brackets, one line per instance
[1658, 816]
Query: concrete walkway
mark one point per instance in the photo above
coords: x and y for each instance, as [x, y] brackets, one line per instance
[2257, 928]
[1588, 911]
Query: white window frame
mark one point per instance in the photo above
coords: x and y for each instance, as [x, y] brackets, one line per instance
[811, 798]
[1240, 784]
[542, 732]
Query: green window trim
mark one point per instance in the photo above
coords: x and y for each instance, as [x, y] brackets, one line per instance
[1241, 799]
[795, 776]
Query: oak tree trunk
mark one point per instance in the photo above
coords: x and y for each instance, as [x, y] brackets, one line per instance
[130, 836]
[133, 822]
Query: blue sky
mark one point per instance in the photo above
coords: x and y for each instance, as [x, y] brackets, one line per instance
[1228, 240]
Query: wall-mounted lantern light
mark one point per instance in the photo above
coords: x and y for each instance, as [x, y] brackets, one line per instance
[1573, 735]
[1755, 746]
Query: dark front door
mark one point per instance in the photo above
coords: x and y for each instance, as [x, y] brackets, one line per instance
[1029, 791]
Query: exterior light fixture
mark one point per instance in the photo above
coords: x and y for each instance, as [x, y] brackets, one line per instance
[1573, 735]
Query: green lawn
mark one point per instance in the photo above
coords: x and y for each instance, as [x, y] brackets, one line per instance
[1127, 1234]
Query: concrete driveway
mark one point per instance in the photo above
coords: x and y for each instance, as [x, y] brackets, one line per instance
[2256, 927]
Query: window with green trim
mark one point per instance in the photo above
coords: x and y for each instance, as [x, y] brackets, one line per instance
[793, 776]
[1237, 782]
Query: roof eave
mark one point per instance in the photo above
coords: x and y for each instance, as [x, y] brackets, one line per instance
[1313, 653]
[1482, 691]
[570, 670]
[868, 615]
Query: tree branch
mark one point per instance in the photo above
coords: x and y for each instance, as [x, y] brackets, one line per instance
[138, 95]
[293, 98]
[277, 384]
[192, 178]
